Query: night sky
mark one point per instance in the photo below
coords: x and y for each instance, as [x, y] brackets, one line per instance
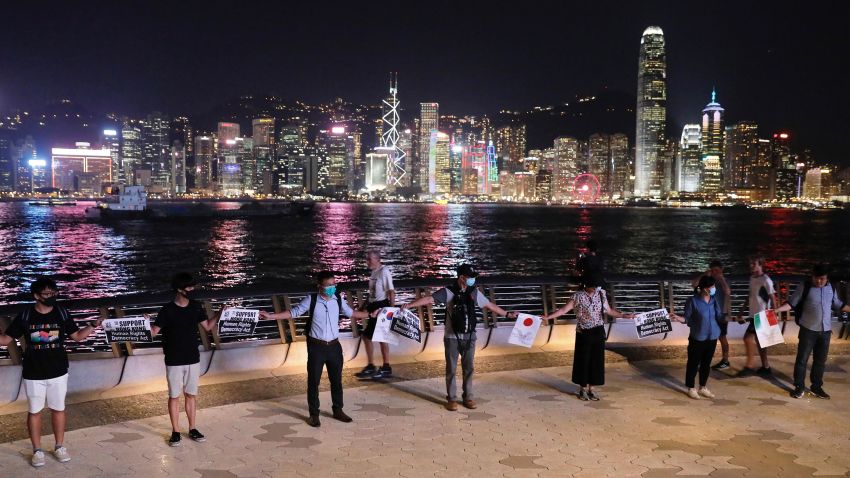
[785, 67]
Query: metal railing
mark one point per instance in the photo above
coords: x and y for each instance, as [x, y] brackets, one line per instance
[533, 295]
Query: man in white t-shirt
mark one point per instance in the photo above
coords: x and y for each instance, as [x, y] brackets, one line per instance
[762, 297]
[381, 294]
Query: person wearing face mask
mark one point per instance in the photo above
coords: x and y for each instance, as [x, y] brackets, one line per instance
[44, 327]
[461, 298]
[323, 309]
[724, 298]
[703, 314]
[591, 305]
[178, 321]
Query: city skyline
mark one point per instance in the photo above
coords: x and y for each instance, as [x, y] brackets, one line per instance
[539, 57]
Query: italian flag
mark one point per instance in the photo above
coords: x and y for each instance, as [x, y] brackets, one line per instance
[768, 330]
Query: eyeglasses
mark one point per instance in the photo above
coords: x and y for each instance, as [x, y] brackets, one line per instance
[48, 295]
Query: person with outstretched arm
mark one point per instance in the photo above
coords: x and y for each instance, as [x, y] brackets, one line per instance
[44, 327]
[703, 314]
[723, 296]
[461, 298]
[381, 294]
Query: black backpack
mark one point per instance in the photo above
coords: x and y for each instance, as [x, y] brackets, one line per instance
[462, 314]
[798, 309]
[314, 297]
[63, 313]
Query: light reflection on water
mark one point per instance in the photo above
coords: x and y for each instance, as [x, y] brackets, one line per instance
[417, 240]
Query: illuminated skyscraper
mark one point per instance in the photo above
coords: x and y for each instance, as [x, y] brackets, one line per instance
[599, 161]
[651, 113]
[227, 132]
[111, 140]
[712, 145]
[156, 149]
[263, 129]
[204, 154]
[621, 166]
[336, 160]
[25, 161]
[689, 160]
[439, 168]
[7, 166]
[81, 169]
[178, 168]
[511, 146]
[390, 137]
[131, 151]
[741, 143]
[565, 168]
[429, 121]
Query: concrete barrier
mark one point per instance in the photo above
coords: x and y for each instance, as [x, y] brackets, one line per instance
[561, 337]
[86, 375]
[236, 358]
[10, 383]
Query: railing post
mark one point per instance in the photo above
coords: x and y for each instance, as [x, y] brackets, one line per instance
[543, 298]
[355, 326]
[278, 309]
[205, 338]
[119, 312]
[287, 302]
[492, 315]
[15, 352]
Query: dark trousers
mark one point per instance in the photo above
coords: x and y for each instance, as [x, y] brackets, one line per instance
[466, 350]
[700, 353]
[589, 357]
[319, 355]
[811, 341]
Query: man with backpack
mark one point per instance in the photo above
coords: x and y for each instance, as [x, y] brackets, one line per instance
[813, 302]
[461, 298]
[44, 327]
[323, 347]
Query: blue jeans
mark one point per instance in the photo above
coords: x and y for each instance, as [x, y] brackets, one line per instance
[811, 341]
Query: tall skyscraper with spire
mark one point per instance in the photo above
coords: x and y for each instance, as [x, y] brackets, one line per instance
[712, 145]
[651, 114]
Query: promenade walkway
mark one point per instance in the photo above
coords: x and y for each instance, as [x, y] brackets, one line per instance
[528, 424]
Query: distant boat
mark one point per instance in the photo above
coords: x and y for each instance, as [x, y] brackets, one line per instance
[53, 202]
[132, 204]
[441, 201]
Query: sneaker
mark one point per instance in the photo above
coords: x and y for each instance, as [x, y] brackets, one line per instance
[582, 395]
[62, 455]
[692, 392]
[314, 421]
[384, 372]
[706, 392]
[593, 396]
[818, 392]
[37, 459]
[367, 372]
[175, 439]
[745, 372]
[765, 371]
[194, 434]
[451, 406]
[798, 392]
[721, 365]
[341, 416]
[470, 404]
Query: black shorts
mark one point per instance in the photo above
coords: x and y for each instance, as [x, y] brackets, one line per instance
[371, 307]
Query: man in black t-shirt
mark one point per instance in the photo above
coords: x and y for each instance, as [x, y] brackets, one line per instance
[44, 327]
[178, 321]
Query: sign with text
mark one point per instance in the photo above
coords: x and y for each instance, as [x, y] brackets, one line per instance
[382, 326]
[525, 330]
[406, 324]
[768, 329]
[653, 323]
[127, 329]
[235, 321]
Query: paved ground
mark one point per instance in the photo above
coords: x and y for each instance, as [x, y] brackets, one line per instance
[528, 424]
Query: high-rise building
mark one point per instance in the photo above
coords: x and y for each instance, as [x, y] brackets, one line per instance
[741, 145]
[376, 168]
[178, 168]
[81, 169]
[7, 166]
[812, 187]
[439, 168]
[651, 113]
[227, 132]
[110, 139]
[621, 166]
[565, 168]
[25, 160]
[336, 160]
[204, 155]
[786, 176]
[760, 172]
[689, 160]
[429, 121]
[263, 129]
[712, 145]
[156, 150]
[599, 161]
[544, 184]
[510, 142]
[131, 151]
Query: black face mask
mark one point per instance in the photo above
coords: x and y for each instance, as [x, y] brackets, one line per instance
[49, 301]
[189, 294]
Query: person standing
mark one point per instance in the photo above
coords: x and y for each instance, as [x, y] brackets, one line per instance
[461, 298]
[44, 327]
[813, 302]
[323, 348]
[762, 297]
[178, 322]
[591, 305]
[724, 299]
[703, 314]
[381, 294]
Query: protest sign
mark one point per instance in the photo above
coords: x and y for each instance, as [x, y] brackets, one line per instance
[768, 330]
[406, 324]
[382, 326]
[525, 330]
[653, 323]
[127, 329]
[235, 321]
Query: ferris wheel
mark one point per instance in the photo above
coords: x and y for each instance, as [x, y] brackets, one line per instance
[586, 188]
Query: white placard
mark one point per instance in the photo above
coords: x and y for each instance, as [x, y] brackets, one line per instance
[525, 330]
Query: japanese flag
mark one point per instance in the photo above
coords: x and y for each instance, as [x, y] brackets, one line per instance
[525, 330]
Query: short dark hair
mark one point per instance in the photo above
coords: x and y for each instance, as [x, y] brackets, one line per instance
[705, 282]
[323, 276]
[592, 280]
[820, 270]
[182, 280]
[592, 246]
[715, 263]
[41, 283]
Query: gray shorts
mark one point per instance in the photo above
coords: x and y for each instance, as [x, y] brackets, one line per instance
[182, 379]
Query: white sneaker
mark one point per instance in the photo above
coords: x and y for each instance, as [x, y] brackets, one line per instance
[706, 392]
[692, 392]
[37, 459]
[62, 455]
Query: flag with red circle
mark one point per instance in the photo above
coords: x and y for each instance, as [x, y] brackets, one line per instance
[525, 330]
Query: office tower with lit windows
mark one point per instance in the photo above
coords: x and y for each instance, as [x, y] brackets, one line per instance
[204, 161]
[24, 156]
[227, 132]
[689, 160]
[565, 167]
[711, 138]
[7, 165]
[760, 172]
[178, 168]
[651, 114]
[131, 151]
[741, 144]
[439, 168]
[429, 121]
[263, 136]
[599, 161]
[510, 142]
[81, 169]
[336, 160]
[786, 176]
[156, 150]
[621, 166]
[110, 139]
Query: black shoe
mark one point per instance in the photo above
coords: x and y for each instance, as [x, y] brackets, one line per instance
[384, 372]
[818, 392]
[721, 365]
[199, 437]
[175, 439]
[593, 396]
[798, 392]
[745, 372]
[582, 395]
[765, 371]
[313, 421]
[341, 416]
[367, 372]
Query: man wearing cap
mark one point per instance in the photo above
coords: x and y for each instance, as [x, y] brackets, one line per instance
[461, 298]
